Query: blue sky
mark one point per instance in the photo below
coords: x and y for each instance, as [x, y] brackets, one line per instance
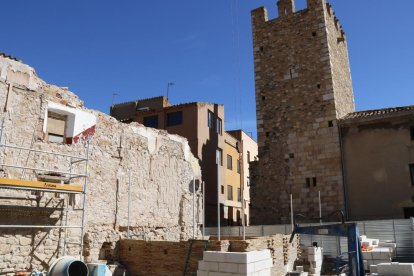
[134, 48]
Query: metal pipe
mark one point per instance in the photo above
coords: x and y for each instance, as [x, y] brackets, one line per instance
[77, 161]
[320, 216]
[42, 170]
[218, 195]
[343, 169]
[243, 220]
[204, 210]
[1, 132]
[291, 211]
[70, 168]
[320, 207]
[129, 202]
[66, 223]
[84, 197]
[241, 166]
[194, 226]
[39, 226]
[42, 151]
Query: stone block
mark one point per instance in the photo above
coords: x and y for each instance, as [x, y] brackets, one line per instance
[208, 266]
[373, 269]
[396, 269]
[214, 256]
[202, 273]
[228, 267]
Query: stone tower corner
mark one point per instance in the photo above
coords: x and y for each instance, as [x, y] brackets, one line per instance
[259, 16]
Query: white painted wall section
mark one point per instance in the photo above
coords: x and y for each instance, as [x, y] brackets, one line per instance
[78, 120]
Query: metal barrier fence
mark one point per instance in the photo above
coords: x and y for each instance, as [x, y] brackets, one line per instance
[400, 231]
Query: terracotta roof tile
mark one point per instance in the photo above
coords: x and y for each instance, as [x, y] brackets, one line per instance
[378, 113]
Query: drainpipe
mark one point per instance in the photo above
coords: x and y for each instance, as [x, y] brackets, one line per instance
[344, 184]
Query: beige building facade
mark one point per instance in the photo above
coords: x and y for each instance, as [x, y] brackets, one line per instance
[231, 188]
[378, 153]
[248, 148]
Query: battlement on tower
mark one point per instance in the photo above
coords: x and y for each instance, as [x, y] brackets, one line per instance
[286, 10]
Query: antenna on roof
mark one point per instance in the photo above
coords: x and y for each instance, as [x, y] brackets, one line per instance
[113, 97]
[170, 84]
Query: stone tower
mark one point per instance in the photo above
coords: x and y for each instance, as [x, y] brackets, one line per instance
[303, 86]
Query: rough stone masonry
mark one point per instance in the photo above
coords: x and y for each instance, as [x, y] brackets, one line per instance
[162, 169]
[303, 86]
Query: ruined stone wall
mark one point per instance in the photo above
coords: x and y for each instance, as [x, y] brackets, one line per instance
[162, 169]
[303, 86]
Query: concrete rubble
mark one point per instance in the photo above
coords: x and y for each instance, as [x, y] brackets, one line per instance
[162, 169]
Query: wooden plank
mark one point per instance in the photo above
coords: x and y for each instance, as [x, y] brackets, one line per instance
[30, 184]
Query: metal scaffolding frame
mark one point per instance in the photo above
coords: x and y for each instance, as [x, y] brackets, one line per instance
[28, 185]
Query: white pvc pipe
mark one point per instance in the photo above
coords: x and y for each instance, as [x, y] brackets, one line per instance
[129, 202]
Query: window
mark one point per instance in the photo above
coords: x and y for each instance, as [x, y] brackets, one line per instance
[238, 166]
[314, 181]
[56, 127]
[412, 174]
[151, 121]
[239, 198]
[222, 189]
[219, 126]
[330, 123]
[412, 132]
[248, 156]
[210, 119]
[229, 162]
[174, 118]
[408, 212]
[219, 156]
[229, 192]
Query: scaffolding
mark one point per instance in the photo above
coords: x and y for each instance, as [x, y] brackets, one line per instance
[66, 188]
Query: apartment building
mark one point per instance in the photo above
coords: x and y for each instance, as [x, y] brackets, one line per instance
[249, 151]
[231, 195]
[203, 126]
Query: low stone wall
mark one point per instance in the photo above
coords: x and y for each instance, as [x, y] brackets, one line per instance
[169, 258]
[160, 257]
